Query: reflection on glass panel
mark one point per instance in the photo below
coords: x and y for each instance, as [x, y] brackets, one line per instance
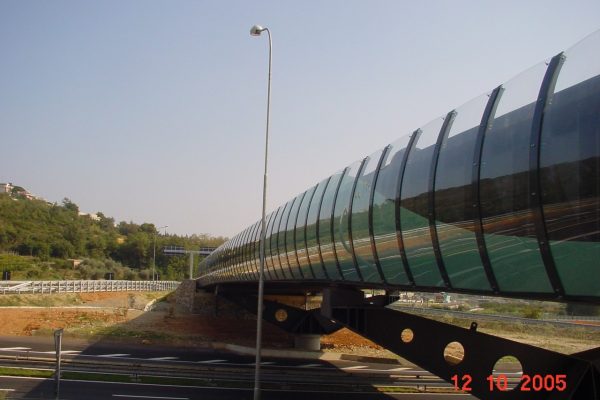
[311, 231]
[360, 220]
[454, 210]
[237, 252]
[341, 235]
[273, 243]
[238, 255]
[414, 211]
[268, 259]
[290, 239]
[243, 258]
[301, 234]
[570, 169]
[245, 250]
[326, 245]
[281, 252]
[231, 257]
[250, 251]
[268, 270]
[254, 248]
[384, 220]
[508, 224]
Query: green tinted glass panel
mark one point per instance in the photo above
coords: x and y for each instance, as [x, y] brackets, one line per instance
[290, 237]
[414, 212]
[360, 220]
[384, 210]
[254, 249]
[283, 259]
[341, 233]
[508, 224]
[274, 246]
[311, 231]
[269, 273]
[570, 169]
[454, 211]
[327, 249]
[300, 234]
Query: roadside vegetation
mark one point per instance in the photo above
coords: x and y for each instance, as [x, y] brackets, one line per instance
[43, 241]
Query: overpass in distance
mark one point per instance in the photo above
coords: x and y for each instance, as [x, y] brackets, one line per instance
[499, 197]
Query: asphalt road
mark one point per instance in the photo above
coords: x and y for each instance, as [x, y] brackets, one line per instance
[306, 376]
[31, 388]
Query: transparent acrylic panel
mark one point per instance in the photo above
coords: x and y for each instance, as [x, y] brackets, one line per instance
[268, 259]
[311, 231]
[236, 256]
[570, 169]
[281, 252]
[454, 211]
[240, 259]
[341, 233]
[229, 257]
[248, 252]
[360, 220]
[268, 270]
[325, 233]
[508, 224]
[244, 254]
[273, 243]
[254, 248]
[301, 234]
[414, 211]
[384, 210]
[290, 238]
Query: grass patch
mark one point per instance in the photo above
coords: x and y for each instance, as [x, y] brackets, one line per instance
[40, 300]
[31, 373]
[90, 376]
[119, 332]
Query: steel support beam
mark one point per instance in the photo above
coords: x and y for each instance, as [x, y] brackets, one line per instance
[423, 342]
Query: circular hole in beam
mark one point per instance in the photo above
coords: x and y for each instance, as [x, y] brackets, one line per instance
[281, 315]
[454, 353]
[407, 335]
[507, 372]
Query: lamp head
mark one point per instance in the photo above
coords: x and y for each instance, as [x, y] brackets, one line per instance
[256, 30]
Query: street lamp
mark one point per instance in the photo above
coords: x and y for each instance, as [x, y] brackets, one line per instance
[154, 251]
[256, 30]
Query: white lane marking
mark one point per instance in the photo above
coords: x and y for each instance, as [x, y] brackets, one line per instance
[113, 355]
[163, 358]
[15, 348]
[211, 361]
[62, 351]
[398, 369]
[309, 365]
[130, 396]
[356, 367]
[7, 390]
[262, 363]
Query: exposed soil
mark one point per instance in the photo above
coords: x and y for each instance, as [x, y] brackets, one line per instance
[120, 316]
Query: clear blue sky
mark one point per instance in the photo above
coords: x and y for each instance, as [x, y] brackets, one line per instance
[153, 111]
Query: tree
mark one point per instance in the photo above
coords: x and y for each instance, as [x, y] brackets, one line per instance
[69, 205]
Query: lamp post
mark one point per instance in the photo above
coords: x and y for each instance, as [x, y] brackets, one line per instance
[256, 30]
[154, 251]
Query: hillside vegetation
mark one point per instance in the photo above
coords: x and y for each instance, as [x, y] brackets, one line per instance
[39, 241]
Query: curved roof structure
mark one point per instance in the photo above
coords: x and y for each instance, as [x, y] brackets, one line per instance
[501, 196]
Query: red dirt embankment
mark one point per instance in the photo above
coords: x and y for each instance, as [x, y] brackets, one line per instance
[119, 315]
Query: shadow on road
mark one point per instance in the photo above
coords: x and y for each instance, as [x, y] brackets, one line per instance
[165, 341]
